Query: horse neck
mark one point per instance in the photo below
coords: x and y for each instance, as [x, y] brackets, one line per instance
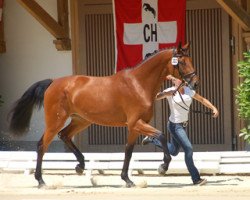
[151, 73]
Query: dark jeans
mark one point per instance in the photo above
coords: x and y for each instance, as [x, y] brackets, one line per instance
[179, 139]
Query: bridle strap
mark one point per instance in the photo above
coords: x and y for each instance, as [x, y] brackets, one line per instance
[182, 83]
[190, 76]
[184, 77]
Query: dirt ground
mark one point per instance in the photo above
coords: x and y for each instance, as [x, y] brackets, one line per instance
[64, 186]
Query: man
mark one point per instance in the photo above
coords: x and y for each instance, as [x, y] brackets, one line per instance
[179, 103]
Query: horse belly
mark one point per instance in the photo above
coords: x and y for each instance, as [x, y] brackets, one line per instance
[101, 111]
[104, 117]
[107, 120]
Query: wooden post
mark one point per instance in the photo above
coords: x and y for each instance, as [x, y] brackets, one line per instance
[236, 12]
[63, 21]
[2, 42]
[60, 30]
[246, 35]
[75, 6]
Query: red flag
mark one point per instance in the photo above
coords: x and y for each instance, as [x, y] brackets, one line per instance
[145, 26]
[1, 9]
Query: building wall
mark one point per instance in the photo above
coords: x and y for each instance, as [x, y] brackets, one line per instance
[30, 57]
[208, 30]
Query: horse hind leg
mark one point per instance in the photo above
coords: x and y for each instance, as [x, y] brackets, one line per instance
[38, 172]
[42, 147]
[76, 125]
[53, 127]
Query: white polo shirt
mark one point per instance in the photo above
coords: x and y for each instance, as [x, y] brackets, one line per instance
[179, 114]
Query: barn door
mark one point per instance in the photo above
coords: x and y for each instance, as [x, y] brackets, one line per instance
[207, 29]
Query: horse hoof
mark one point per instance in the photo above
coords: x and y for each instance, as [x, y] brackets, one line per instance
[130, 184]
[41, 185]
[162, 169]
[79, 169]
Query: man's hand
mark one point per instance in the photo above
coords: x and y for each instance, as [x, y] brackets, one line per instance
[215, 112]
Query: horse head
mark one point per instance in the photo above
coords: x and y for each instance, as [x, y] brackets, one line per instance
[185, 69]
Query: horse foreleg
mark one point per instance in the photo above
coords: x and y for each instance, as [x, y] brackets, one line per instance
[145, 129]
[124, 175]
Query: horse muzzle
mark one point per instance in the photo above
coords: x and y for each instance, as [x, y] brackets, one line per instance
[192, 80]
[193, 83]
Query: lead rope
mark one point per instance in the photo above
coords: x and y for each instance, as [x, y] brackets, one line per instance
[194, 111]
[183, 83]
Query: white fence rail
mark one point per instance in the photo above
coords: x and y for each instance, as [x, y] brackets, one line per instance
[206, 162]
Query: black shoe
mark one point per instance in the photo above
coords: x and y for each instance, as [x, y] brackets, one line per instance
[201, 182]
[146, 140]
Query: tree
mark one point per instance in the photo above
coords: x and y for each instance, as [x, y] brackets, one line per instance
[243, 96]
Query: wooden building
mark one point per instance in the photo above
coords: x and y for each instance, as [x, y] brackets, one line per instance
[218, 32]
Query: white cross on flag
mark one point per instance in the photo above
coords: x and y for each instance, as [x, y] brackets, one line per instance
[145, 26]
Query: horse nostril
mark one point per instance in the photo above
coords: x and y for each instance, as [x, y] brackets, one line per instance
[196, 85]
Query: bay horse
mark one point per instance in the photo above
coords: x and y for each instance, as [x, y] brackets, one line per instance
[123, 99]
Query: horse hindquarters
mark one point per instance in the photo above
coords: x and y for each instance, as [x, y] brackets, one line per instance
[21, 116]
[56, 114]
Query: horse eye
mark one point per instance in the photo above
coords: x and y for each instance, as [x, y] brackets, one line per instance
[182, 63]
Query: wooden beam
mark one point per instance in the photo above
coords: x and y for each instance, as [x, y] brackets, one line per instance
[63, 21]
[75, 6]
[44, 18]
[63, 44]
[60, 29]
[236, 12]
[63, 15]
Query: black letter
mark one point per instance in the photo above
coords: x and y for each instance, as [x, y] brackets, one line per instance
[144, 33]
[153, 32]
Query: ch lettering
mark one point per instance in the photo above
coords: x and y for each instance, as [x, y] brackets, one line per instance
[150, 32]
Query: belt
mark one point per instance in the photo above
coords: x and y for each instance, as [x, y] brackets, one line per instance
[184, 124]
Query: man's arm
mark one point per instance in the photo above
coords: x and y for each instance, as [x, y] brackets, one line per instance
[206, 103]
[164, 94]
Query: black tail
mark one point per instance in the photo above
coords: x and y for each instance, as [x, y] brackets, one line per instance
[22, 111]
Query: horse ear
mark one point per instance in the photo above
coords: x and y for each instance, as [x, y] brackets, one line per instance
[179, 48]
[186, 46]
[185, 49]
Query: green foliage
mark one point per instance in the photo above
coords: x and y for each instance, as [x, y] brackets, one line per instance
[243, 96]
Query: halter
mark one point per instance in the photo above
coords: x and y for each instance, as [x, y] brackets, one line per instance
[187, 78]
[175, 62]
